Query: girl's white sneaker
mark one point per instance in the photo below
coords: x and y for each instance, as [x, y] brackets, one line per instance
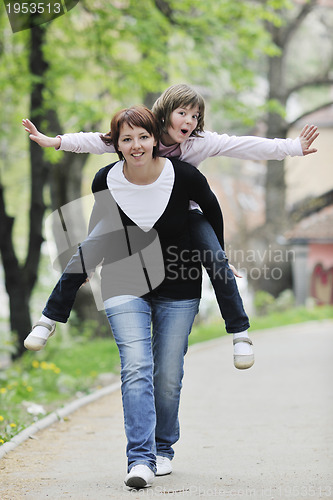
[244, 361]
[34, 342]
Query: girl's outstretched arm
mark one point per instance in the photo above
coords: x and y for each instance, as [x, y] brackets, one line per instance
[80, 142]
[197, 149]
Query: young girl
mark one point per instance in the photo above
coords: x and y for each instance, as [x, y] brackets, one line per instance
[180, 114]
[151, 361]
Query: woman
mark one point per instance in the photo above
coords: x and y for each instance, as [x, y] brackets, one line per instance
[151, 329]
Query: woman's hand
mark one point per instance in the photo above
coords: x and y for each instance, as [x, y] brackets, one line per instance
[234, 270]
[41, 139]
[307, 136]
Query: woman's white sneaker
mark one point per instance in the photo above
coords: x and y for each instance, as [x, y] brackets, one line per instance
[163, 465]
[140, 476]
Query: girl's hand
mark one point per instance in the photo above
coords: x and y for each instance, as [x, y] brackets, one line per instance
[234, 270]
[307, 136]
[41, 139]
[88, 279]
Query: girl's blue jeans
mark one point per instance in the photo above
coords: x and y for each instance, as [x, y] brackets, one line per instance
[152, 338]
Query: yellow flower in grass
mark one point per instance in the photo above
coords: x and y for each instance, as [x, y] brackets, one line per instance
[29, 388]
[12, 425]
[1, 418]
[57, 370]
[35, 363]
[1, 441]
[3, 390]
[44, 365]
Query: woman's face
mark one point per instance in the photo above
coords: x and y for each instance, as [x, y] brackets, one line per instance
[183, 121]
[136, 145]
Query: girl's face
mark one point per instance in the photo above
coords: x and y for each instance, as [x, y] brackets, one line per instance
[183, 121]
[136, 145]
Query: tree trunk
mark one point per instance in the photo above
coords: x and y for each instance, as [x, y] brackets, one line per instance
[276, 127]
[20, 279]
[273, 267]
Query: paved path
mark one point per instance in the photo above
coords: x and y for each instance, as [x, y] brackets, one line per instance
[261, 434]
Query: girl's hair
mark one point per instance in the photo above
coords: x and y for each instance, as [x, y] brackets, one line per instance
[136, 116]
[178, 96]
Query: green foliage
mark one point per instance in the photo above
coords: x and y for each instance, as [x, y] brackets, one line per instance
[263, 301]
[274, 106]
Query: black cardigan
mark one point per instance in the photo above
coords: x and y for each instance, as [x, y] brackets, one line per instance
[182, 266]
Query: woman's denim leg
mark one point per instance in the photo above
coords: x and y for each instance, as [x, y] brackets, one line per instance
[221, 276]
[172, 323]
[130, 320]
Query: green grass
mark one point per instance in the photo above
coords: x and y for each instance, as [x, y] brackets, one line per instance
[66, 369]
[203, 332]
[72, 364]
[292, 316]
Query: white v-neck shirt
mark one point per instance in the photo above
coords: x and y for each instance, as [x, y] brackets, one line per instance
[143, 204]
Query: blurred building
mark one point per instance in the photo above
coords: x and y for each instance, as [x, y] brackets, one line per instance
[310, 204]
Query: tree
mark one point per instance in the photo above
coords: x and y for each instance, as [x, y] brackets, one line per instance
[21, 278]
[282, 86]
[286, 81]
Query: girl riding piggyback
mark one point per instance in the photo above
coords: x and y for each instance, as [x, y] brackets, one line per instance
[180, 115]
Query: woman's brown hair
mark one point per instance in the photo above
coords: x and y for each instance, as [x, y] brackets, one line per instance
[136, 116]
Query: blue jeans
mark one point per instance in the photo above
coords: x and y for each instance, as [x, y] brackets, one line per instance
[152, 338]
[214, 259]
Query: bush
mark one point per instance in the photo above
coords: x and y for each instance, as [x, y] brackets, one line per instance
[263, 302]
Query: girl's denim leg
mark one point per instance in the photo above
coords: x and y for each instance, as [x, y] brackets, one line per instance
[130, 321]
[61, 300]
[221, 276]
[172, 323]
[86, 258]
